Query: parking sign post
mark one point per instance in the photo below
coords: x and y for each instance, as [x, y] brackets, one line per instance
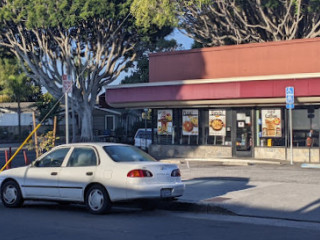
[290, 106]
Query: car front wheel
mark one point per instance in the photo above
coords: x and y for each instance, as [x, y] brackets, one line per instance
[11, 195]
[97, 200]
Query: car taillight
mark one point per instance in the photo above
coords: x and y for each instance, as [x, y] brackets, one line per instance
[140, 173]
[176, 173]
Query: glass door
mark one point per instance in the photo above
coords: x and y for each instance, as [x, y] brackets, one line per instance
[242, 136]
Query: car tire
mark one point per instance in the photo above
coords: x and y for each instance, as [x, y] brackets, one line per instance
[97, 200]
[11, 194]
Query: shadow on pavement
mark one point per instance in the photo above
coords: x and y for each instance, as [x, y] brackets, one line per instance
[199, 189]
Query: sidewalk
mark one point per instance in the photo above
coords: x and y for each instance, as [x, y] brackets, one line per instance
[278, 190]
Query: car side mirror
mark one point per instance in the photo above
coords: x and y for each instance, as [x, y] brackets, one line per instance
[35, 164]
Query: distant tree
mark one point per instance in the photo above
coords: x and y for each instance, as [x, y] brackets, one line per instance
[213, 22]
[15, 85]
[44, 104]
[9, 66]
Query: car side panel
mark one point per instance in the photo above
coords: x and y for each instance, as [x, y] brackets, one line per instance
[73, 180]
[41, 183]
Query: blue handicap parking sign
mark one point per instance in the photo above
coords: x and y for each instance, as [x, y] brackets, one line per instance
[290, 106]
[289, 90]
[290, 97]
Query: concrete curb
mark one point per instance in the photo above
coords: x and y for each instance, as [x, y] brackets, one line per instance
[204, 208]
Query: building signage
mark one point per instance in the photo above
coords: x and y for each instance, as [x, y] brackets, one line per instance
[290, 97]
[271, 122]
[190, 122]
[164, 122]
[217, 122]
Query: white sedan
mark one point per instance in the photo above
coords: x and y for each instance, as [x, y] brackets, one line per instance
[96, 174]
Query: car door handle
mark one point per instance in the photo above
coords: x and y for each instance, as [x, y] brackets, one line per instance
[89, 173]
[54, 173]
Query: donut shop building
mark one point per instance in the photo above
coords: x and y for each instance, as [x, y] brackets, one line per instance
[230, 101]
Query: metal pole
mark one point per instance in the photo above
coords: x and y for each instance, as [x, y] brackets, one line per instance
[66, 117]
[311, 139]
[73, 121]
[291, 136]
[145, 128]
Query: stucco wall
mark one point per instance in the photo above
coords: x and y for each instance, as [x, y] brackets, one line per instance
[254, 59]
[207, 152]
[182, 151]
[279, 153]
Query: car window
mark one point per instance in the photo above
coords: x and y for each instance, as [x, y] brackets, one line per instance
[139, 134]
[148, 135]
[81, 157]
[119, 153]
[53, 159]
[144, 135]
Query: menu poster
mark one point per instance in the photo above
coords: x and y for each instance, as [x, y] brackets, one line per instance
[271, 122]
[164, 122]
[217, 122]
[190, 122]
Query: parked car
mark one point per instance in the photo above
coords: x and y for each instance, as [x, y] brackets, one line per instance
[143, 138]
[96, 174]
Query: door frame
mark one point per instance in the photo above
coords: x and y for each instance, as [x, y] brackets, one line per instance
[235, 152]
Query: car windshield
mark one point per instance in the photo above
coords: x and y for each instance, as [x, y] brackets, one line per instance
[119, 153]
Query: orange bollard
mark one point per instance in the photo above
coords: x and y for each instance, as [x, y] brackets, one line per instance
[7, 159]
[26, 160]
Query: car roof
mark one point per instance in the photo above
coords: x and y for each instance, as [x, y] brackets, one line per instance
[148, 129]
[93, 144]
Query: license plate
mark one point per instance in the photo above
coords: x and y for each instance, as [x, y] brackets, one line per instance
[166, 192]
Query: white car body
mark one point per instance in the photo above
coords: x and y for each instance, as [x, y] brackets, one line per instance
[143, 138]
[69, 182]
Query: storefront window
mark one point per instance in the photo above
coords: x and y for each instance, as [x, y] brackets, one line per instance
[217, 124]
[190, 127]
[305, 124]
[193, 126]
[165, 128]
[270, 127]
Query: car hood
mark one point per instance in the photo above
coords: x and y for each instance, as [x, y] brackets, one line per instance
[14, 172]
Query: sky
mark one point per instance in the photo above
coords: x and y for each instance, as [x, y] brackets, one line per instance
[180, 38]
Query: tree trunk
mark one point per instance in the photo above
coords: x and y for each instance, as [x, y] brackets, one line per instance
[86, 123]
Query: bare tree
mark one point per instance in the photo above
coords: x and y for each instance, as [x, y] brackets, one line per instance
[220, 22]
[91, 44]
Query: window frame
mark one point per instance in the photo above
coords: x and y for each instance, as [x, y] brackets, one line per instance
[79, 148]
[106, 122]
[37, 163]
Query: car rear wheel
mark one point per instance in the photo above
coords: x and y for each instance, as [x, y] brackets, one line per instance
[97, 200]
[11, 195]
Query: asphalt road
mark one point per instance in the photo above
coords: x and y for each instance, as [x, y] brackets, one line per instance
[38, 221]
